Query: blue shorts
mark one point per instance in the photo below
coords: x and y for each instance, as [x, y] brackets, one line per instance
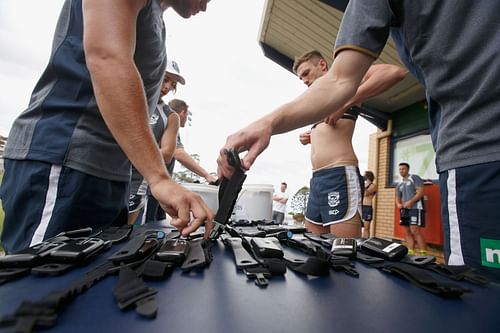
[409, 217]
[471, 219]
[41, 200]
[366, 213]
[335, 195]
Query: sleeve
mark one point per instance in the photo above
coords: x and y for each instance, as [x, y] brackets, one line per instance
[179, 142]
[167, 110]
[417, 181]
[365, 27]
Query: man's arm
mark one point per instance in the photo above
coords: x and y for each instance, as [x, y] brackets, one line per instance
[418, 196]
[377, 80]
[122, 101]
[399, 202]
[169, 137]
[329, 92]
[185, 159]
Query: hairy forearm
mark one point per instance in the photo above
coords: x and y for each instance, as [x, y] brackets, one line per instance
[330, 92]
[186, 160]
[121, 100]
[378, 79]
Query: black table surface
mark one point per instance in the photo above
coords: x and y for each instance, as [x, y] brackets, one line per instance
[221, 299]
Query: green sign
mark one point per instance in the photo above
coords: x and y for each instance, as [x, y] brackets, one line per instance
[490, 252]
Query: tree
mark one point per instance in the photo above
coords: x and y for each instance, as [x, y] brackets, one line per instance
[299, 202]
[187, 176]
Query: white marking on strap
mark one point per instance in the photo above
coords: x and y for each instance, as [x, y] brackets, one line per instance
[456, 258]
[50, 202]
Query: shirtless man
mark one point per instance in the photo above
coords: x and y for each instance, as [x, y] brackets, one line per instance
[335, 196]
[367, 209]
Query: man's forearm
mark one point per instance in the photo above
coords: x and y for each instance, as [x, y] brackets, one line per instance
[378, 79]
[122, 102]
[330, 92]
[185, 159]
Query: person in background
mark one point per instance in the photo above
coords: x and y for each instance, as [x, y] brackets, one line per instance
[459, 69]
[154, 212]
[279, 204]
[67, 160]
[181, 155]
[335, 197]
[165, 126]
[367, 209]
[409, 200]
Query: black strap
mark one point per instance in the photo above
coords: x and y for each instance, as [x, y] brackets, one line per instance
[460, 273]
[199, 255]
[424, 280]
[228, 194]
[131, 291]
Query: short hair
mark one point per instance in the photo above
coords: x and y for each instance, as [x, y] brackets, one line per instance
[369, 175]
[314, 56]
[177, 105]
[283, 183]
[404, 164]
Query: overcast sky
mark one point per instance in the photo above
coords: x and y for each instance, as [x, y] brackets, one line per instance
[229, 81]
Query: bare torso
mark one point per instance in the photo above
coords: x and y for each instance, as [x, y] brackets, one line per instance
[332, 145]
[369, 194]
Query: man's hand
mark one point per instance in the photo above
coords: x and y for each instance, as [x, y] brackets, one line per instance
[253, 138]
[210, 179]
[399, 205]
[178, 202]
[305, 138]
[407, 205]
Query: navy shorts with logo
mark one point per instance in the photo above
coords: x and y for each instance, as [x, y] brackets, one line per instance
[366, 213]
[335, 195]
[41, 200]
[471, 218]
[409, 217]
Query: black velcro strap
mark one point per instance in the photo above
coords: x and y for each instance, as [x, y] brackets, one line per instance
[157, 270]
[418, 260]
[199, 255]
[115, 234]
[424, 280]
[312, 266]
[460, 273]
[131, 289]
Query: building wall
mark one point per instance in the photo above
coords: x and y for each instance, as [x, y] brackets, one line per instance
[384, 204]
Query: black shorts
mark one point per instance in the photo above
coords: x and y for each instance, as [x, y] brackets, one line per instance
[412, 217]
[367, 213]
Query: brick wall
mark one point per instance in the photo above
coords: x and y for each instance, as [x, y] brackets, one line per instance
[384, 200]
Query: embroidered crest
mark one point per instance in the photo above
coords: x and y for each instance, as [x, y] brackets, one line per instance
[333, 199]
[153, 119]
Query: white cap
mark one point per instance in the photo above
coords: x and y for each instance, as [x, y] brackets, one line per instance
[173, 68]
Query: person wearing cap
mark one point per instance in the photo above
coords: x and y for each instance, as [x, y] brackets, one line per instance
[165, 126]
[67, 160]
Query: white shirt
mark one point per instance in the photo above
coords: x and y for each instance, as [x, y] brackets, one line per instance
[278, 206]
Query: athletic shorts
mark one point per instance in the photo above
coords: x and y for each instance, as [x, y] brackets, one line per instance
[41, 200]
[471, 219]
[335, 195]
[411, 217]
[367, 213]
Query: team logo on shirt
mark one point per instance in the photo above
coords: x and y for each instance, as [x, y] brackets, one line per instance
[154, 119]
[333, 199]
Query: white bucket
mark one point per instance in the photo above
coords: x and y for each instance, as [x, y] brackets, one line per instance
[209, 194]
[255, 202]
